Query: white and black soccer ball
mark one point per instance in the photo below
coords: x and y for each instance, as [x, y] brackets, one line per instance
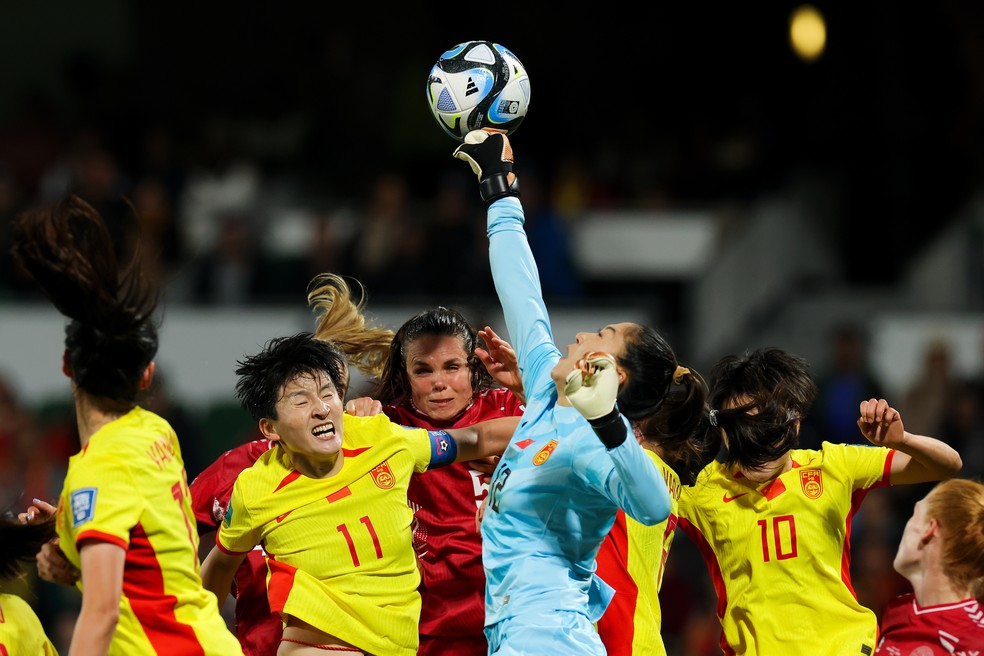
[475, 85]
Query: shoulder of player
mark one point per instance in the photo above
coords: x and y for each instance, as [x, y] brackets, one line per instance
[835, 452]
[372, 431]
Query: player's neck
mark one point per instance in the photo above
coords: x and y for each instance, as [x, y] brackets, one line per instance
[317, 467]
[93, 413]
[933, 588]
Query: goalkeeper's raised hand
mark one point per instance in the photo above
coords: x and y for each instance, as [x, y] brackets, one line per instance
[592, 387]
[491, 158]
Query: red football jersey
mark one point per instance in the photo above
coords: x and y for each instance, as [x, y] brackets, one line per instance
[445, 501]
[947, 629]
[258, 631]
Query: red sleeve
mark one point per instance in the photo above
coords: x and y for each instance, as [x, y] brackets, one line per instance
[210, 491]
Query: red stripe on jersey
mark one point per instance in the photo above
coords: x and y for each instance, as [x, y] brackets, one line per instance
[340, 494]
[288, 479]
[99, 536]
[143, 585]
[715, 571]
[856, 500]
[887, 475]
[355, 452]
[280, 583]
[617, 627]
[774, 489]
[222, 548]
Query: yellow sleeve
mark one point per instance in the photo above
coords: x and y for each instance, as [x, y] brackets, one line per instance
[102, 502]
[237, 534]
[866, 466]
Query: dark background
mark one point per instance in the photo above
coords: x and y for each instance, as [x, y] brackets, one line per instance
[695, 102]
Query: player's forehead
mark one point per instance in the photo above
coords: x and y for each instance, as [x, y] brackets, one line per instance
[307, 382]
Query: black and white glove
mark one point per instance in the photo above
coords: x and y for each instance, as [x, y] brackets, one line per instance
[592, 387]
[491, 158]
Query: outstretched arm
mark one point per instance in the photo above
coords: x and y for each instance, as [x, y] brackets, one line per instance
[920, 459]
[486, 438]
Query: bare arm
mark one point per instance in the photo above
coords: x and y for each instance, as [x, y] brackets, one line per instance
[486, 438]
[102, 573]
[920, 459]
[219, 571]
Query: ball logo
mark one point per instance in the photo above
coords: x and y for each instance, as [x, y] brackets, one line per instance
[811, 480]
[383, 476]
[544, 453]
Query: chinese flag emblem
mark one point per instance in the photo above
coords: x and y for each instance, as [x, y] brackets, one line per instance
[811, 480]
[383, 477]
[544, 453]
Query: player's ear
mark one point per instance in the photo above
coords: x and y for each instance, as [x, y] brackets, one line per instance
[932, 529]
[148, 376]
[269, 430]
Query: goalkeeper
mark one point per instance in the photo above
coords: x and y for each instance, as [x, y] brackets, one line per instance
[575, 459]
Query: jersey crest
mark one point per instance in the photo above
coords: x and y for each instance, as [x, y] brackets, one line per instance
[383, 476]
[83, 505]
[811, 480]
[544, 453]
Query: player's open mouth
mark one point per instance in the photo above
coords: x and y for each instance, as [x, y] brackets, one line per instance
[324, 431]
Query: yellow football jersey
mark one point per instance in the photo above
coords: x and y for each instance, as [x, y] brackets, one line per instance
[128, 487]
[339, 549]
[21, 633]
[632, 560]
[779, 553]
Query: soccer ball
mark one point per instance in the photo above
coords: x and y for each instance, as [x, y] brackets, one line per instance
[475, 85]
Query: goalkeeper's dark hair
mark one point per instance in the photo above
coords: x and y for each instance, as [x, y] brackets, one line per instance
[758, 400]
[262, 377]
[394, 384]
[19, 543]
[666, 403]
[111, 336]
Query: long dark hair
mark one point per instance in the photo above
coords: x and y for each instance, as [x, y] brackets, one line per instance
[666, 402]
[19, 543]
[111, 336]
[394, 384]
[758, 399]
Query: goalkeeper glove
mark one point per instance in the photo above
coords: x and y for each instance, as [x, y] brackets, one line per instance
[591, 387]
[491, 158]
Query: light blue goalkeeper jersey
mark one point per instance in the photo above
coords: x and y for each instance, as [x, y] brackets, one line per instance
[556, 490]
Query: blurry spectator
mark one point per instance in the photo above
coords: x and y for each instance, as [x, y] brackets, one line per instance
[159, 162]
[154, 239]
[13, 283]
[963, 425]
[455, 242]
[550, 236]
[30, 141]
[847, 381]
[232, 272]
[17, 435]
[389, 243]
[221, 182]
[926, 398]
[89, 169]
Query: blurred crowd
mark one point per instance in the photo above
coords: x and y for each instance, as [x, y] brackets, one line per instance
[215, 227]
